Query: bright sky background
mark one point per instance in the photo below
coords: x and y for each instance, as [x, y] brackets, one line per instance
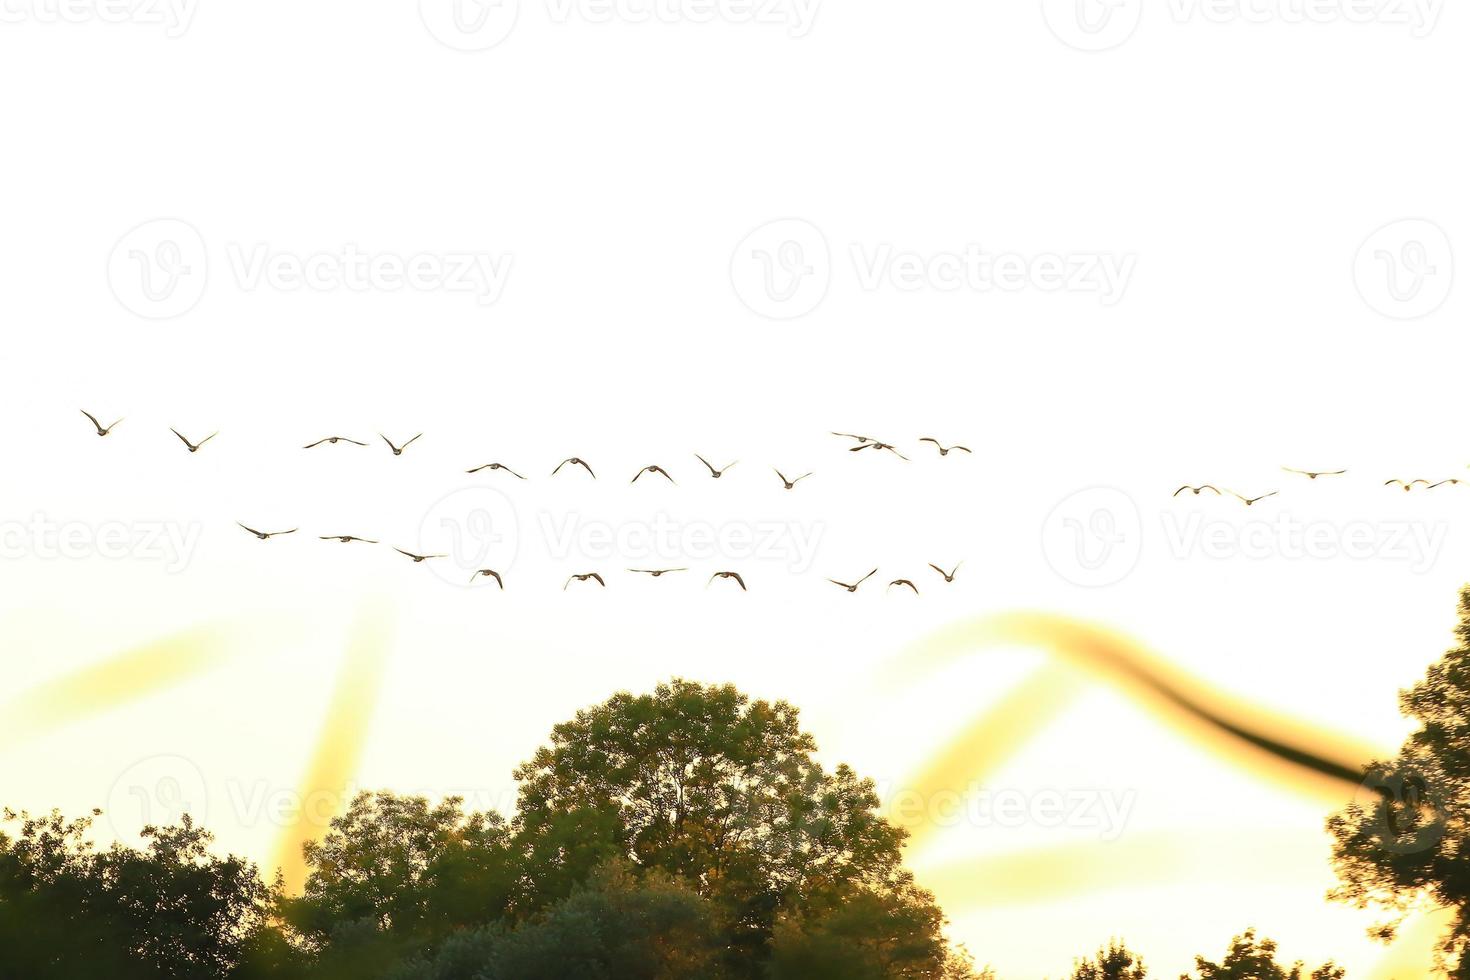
[1242, 165]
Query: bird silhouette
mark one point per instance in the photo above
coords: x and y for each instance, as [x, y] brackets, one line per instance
[1196, 490]
[656, 572]
[942, 450]
[948, 576]
[850, 435]
[653, 469]
[583, 578]
[333, 440]
[791, 483]
[1452, 482]
[398, 450]
[418, 558]
[879, 446]
[1407, 486]
[575, 462]
[98, 425]
[489, 573]
[345, 538]
[496, 466]
[735, 576]
[267, 535]
[193, 446]
[712, 471]
[904, 581]
[854, 586]
[1313, 474]
[1251, 501]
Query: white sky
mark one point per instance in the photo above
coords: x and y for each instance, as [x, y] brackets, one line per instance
[1241, 164]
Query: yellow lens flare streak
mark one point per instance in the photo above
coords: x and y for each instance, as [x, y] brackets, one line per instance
[115, 682]
[340, 745]
[1307, 760]
[984, 746]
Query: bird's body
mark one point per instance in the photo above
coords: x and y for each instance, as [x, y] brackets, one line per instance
[98, 425]
[267, 535]
[193, 446]
[593, 576]
[790, 484]
[904, 581]
[1313, 474]
[948, 576]
[1406, 485]
[1196, 490]
[943, 451]
[1452, 482]
[880, 446]
[1252, 501]
[716, 474]
[332, 441]
[652, 469]
[398, 450]
[734, 576]
[854, 586]
[656, 572]
[345, 538]
[489, 573]
[417, 558]
[574, 461]
[496, 466]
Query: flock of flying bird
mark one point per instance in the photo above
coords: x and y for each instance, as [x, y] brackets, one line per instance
[788, 483]
[1405, 485]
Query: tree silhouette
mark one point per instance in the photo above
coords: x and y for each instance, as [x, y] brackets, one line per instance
[1113, 962]
[1402, 844]
[1250, 958]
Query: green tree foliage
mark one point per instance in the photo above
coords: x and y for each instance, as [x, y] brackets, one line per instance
[1250, 958]
[1402, 844]
[170, 909]
[1113, 962]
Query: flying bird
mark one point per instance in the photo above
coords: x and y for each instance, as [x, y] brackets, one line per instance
[880, 446]
[418, 558]
[397, 450]
[712, 471]
[1407, 486]
[345, 538]
[849, 435]
[730, 575]
[1250, 501]
[942, 450]
[904, 581]
[193, 446]
[1313, 474]
[653, 469]
[575, 462]
[1196, 490]
[333, 440]
[496, 466]
[98, 425]
[656, 572]
[948, 576]
[791, 483]
[489, 573]
[583, 578]
[267, 535]
[854, 586]
[1452, 482]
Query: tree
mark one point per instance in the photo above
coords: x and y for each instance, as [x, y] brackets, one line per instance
[170, 909]
[1403, 844]
[1250, 958]
[408, 868]
[1114, 961]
